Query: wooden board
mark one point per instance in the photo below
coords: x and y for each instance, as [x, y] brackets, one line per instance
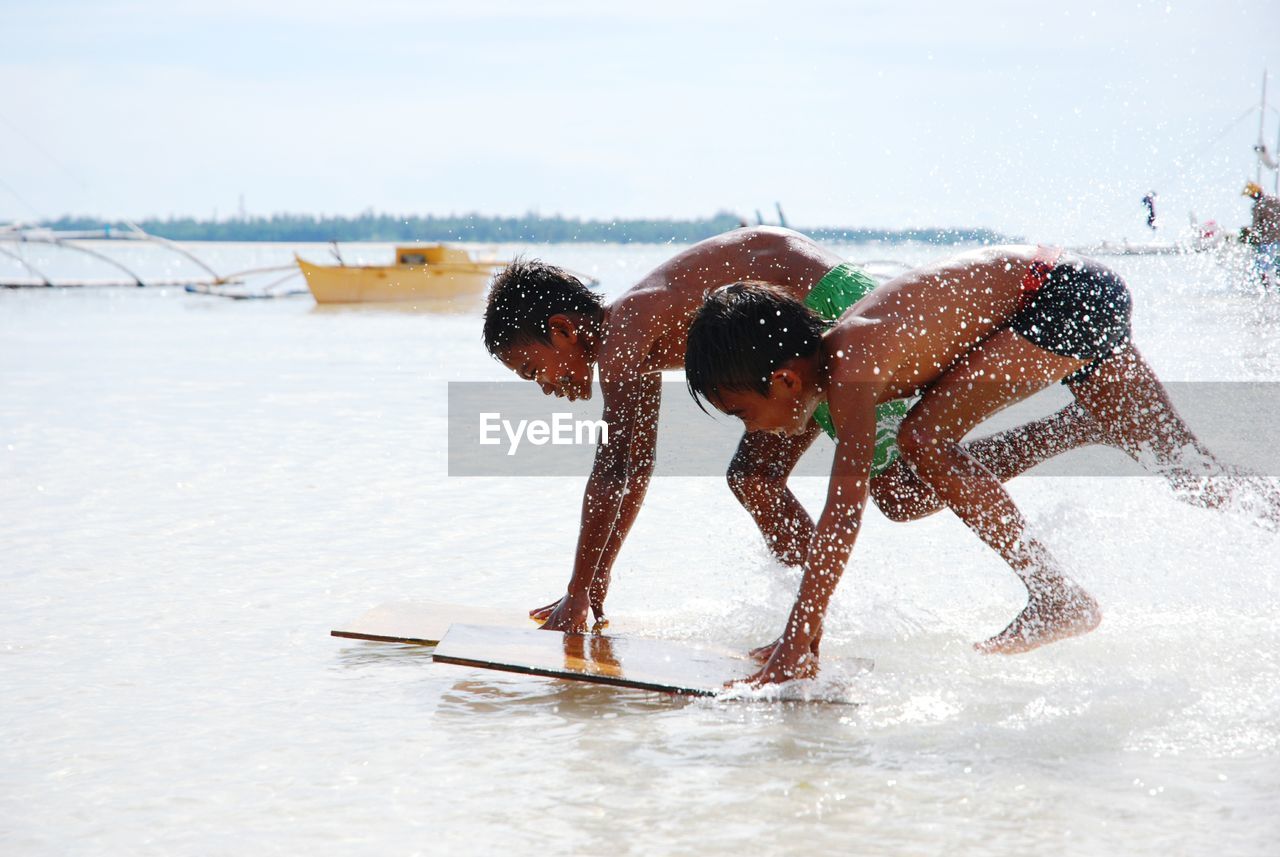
[635, 662]
[424, 623]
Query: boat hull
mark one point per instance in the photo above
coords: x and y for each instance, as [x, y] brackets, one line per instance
[348, 284]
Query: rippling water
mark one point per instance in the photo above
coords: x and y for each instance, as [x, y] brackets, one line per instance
[194, 491]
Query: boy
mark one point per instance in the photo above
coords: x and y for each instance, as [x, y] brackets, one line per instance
[970, 335]
[544, 325]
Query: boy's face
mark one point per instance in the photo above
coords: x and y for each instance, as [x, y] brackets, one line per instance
[785, 410]
[561, 369]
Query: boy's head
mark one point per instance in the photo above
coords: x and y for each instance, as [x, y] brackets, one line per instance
[541, 322]
[752, 353]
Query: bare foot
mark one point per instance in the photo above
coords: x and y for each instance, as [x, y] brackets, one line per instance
[805, 668]
[1254, 497]
[761, 654]
[1046, 619]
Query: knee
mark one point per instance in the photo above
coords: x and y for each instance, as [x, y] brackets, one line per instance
[748, 482]
[890, 502]
[901, 495]
[916, 440]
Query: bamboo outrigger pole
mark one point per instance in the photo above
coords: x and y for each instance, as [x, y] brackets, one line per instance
[44, 281]
[19, 233]
[174, 246]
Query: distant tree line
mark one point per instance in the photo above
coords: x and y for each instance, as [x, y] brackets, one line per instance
[531, 228]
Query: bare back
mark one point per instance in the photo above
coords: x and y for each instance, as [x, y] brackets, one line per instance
[647, 327]
[905, 334]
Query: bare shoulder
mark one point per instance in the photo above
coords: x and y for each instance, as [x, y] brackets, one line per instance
[855, 350]
[756, 239]
[971, 263]
[634, 322]
[643, 313]
[856, 363]
[767, 253]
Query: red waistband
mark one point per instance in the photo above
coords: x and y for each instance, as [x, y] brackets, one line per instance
[1042, 264]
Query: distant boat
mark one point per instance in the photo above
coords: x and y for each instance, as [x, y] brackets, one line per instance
[421, 272]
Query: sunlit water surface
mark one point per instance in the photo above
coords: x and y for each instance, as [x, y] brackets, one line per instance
[193, 491]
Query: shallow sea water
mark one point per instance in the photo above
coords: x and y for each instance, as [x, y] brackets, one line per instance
[193, 491]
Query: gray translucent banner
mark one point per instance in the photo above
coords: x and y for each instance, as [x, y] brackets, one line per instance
[512, 429]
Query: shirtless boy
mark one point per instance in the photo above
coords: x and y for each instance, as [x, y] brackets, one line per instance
[545, 326]
[970, 335]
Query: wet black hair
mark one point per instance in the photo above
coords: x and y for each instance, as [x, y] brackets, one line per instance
[524, 295]
[741, 334]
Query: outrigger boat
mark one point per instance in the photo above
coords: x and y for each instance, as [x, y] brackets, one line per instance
[17, 234]
[421, 272]
[14, 236]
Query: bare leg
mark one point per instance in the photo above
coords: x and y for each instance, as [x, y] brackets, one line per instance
[1134, 414]
[758, 478]
[901, 495]
[999, 371]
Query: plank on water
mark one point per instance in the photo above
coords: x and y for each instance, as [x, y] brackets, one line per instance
[635, 662]
[507, 639]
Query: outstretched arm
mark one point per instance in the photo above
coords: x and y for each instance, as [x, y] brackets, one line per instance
[644, 442]
[615, 490]
[795, 655]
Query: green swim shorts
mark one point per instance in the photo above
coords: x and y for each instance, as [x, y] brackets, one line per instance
[842, 287]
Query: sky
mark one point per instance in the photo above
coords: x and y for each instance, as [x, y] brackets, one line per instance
[1047, 121]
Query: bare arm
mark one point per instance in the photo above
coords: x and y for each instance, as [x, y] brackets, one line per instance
[614, 493]
[833, 541]
[644, 442]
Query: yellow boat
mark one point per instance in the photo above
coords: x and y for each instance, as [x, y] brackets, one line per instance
[425, 272]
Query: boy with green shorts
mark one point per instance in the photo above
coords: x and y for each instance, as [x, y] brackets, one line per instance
[968, 337]
[544, 325]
